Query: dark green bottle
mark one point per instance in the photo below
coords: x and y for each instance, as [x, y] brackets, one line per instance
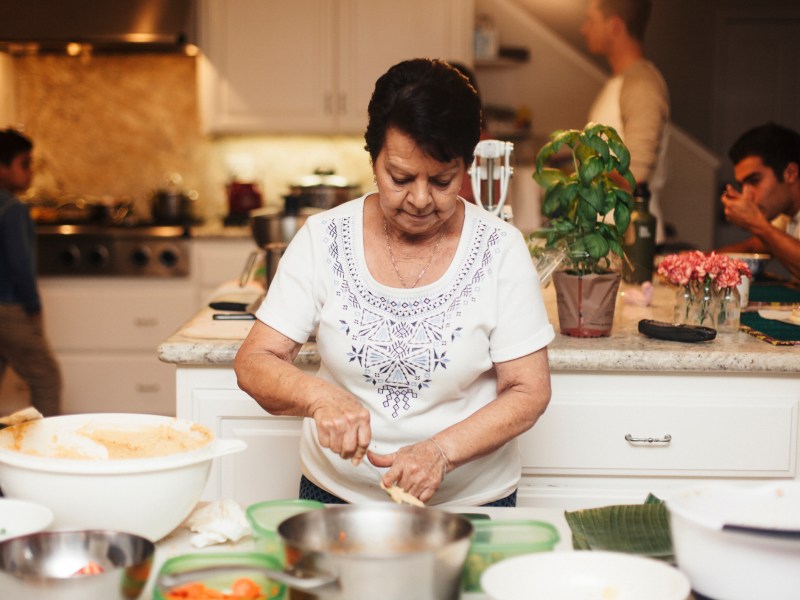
[640, 239]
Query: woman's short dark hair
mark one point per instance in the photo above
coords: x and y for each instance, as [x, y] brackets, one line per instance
[429, 101]
[12, 143]
[775, 145]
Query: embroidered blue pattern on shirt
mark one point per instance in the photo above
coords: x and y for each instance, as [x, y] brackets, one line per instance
[400, 341]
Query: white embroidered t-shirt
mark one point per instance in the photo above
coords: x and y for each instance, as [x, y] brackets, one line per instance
[419, 359]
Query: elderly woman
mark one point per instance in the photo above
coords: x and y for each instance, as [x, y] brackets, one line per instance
[430, 324]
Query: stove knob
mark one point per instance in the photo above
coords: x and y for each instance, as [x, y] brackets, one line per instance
[70, 256]
[168, 257]
[98, 256]
[141, 256]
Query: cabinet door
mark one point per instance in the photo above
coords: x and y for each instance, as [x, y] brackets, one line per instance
[375, 34]
[267, 65]
[269, 469]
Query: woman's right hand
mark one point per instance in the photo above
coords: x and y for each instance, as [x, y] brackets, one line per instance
[342, 425]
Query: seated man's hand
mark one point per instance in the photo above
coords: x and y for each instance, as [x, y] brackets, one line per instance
[741, 208]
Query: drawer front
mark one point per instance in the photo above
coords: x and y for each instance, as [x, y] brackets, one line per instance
[692, 438]
[117, 383]
[137, 317]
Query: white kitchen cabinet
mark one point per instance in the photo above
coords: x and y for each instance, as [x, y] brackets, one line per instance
[105, 332]
[726, 426]
[739, 427]
[269, 469]
[309, 66]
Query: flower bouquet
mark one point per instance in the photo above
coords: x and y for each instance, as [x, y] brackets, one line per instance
[707, 293]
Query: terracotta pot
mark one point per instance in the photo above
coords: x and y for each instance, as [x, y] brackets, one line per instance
[586, 303]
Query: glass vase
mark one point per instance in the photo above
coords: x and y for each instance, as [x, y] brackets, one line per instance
[697, 304]
[728, 310]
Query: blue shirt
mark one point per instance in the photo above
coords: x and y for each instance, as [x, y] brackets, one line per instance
[17, 255]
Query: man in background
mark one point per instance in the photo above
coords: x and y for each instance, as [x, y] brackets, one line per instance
[23, 345]
[635, 99]
[766, 164]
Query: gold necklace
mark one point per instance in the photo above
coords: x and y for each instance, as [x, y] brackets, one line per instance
[394, 261]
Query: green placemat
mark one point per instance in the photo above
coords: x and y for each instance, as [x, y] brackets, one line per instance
[632, 528]
[781, 293]
[777, 333]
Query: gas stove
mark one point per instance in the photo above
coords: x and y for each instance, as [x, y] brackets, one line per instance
[141, 250]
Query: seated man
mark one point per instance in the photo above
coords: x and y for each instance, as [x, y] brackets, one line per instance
[766, 164]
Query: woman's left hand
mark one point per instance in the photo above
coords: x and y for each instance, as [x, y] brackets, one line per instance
[418, 469]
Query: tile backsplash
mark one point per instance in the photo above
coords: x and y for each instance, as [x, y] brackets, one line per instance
[119, 125]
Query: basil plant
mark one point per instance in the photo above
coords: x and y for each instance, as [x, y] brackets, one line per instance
[589, 203]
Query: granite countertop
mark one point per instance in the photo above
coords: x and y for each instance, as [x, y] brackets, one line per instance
[625, 350]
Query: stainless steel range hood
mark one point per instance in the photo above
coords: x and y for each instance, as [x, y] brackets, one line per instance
[98, 26]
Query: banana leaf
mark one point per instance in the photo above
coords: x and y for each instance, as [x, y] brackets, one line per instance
[631, 528]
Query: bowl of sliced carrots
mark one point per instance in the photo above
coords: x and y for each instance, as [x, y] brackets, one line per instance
[220, 576]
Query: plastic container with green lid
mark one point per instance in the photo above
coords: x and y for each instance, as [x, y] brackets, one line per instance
[229, 568]
[495, 540]
[264, 518]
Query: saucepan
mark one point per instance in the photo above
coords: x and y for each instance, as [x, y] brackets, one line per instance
[324, 189]
[364, 552]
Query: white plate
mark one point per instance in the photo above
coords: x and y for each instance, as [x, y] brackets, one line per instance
[18, 517]
[584, 575]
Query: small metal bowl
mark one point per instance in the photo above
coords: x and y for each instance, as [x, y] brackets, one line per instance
[47, 565]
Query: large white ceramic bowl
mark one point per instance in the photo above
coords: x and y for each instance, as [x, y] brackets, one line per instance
[582, 575]
[18, 517]
[734, 565]
[54, 462]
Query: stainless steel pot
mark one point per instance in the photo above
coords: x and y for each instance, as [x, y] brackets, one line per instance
[270, 225]
[366, 552]
[324, 189]
[172, 207]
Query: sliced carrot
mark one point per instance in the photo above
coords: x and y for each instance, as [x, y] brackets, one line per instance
[246, 589]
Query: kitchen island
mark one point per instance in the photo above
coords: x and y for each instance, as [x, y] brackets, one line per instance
[629, 414]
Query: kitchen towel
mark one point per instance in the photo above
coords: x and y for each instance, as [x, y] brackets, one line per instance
[216, 523]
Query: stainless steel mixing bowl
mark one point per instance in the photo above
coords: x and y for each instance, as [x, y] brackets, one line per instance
[43, 566]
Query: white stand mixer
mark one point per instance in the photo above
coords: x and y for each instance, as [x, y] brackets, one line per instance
[492, 163]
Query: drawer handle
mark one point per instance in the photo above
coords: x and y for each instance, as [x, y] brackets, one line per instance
[145, 321]
[649, 440]
[148, 388]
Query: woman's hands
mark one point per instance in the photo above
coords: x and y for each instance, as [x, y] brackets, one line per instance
[418, 469]
[342, 425]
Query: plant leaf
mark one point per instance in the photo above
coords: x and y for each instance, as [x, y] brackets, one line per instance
[590, 169]
[632, 528]
[615, 246]
[549, 177]
[620, 150]
[596, 245]
[597, 144]
[622, 217]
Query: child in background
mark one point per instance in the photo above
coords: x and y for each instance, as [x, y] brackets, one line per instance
[23, 345]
